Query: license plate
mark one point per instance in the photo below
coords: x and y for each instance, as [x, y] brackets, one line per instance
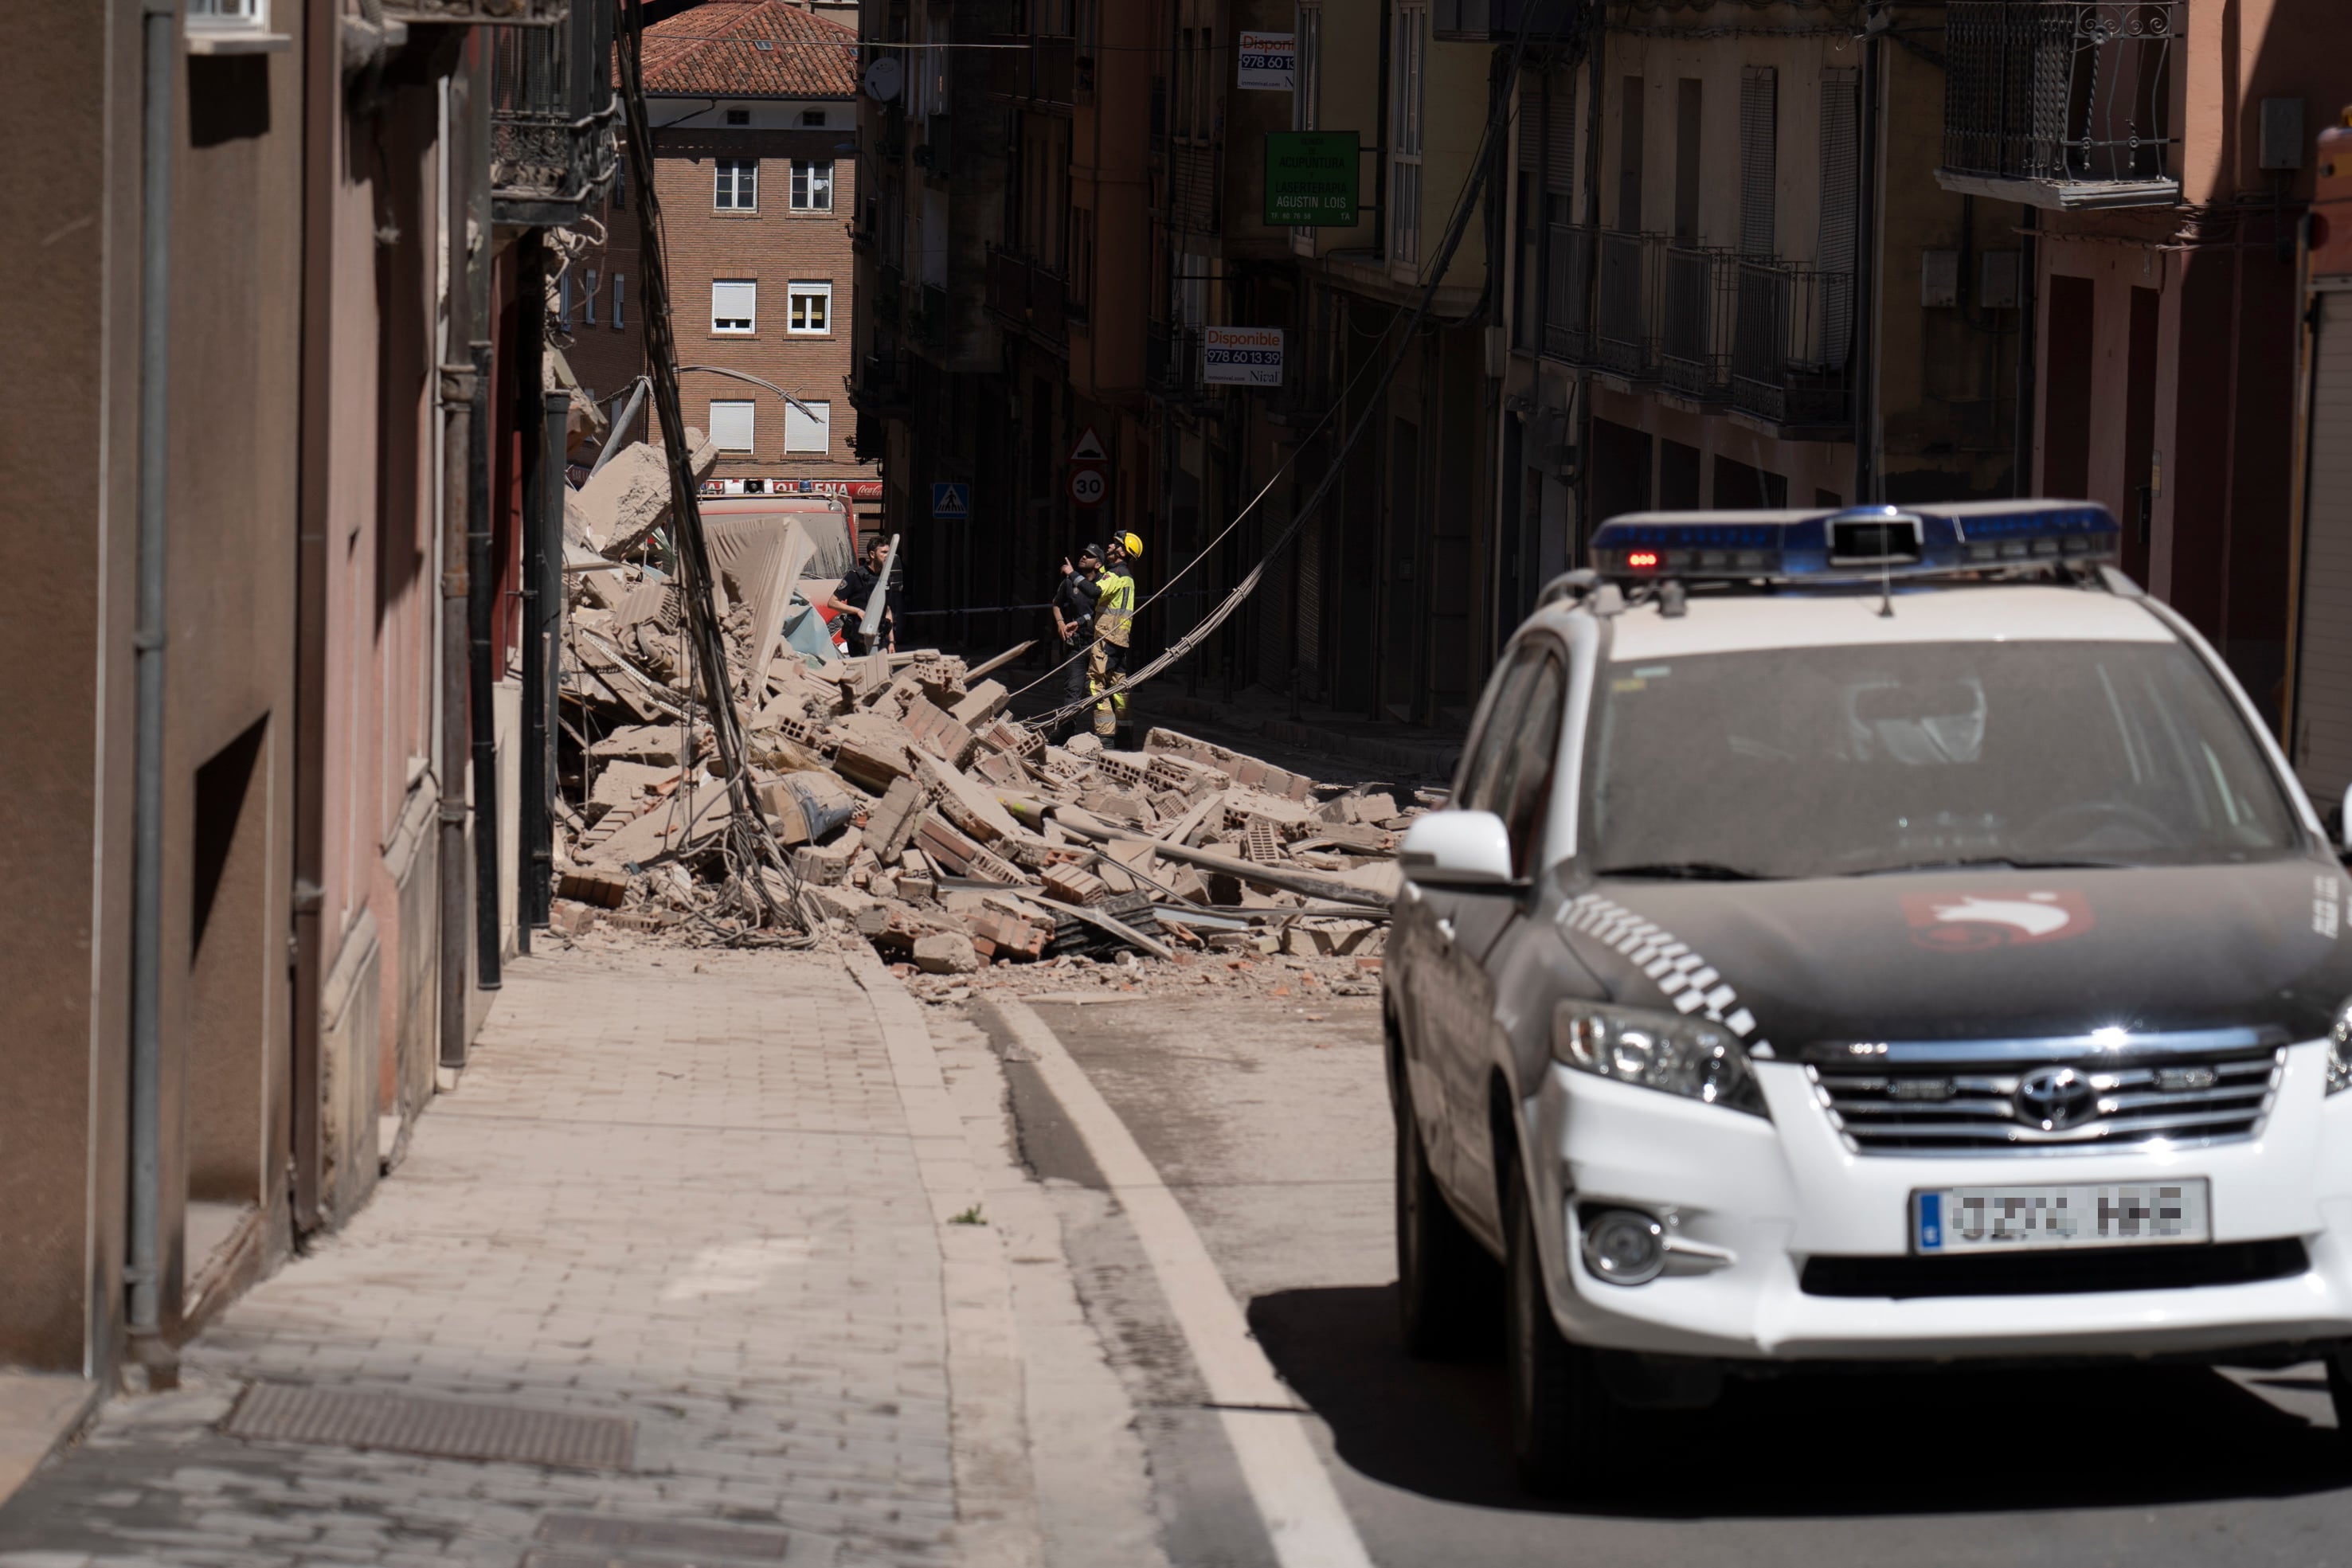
[2018, 1218]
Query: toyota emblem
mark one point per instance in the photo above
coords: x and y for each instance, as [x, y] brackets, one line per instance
[2055, 1097]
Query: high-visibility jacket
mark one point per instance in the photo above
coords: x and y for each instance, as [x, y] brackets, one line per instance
[1115, 609]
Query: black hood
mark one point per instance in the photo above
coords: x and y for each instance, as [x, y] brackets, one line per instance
[1983, 954]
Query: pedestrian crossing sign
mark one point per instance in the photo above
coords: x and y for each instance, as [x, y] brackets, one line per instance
[951, 503]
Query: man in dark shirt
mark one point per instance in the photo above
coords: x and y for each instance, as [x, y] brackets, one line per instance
[1074, 615]
[850, 598]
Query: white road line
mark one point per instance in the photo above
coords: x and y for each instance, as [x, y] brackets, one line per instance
[1307, 1523]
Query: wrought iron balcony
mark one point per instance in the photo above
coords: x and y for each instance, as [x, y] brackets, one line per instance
[1694, 322]
[889, 288]
[474, 13]
[1624, 339]
[1791, 346]
[1034, 72]
[1028, 295]
[2062, 103]
[554, 114]
[885, 382]
[1566, 315]
[1171, 362]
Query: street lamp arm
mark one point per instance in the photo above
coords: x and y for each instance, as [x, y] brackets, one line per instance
[755, 380]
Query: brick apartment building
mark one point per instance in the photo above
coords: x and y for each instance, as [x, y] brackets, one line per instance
[753, 102]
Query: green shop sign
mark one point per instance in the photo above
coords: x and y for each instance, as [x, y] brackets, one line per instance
[1310, 178]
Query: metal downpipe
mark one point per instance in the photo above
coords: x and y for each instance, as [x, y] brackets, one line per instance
[449, 850]
[160, 28]
[551, 604]
[481, 599]
[530, 808]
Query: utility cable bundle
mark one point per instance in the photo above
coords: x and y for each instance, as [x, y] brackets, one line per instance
[753, 856]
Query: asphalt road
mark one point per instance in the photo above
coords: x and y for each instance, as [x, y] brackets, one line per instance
[1273, 1128]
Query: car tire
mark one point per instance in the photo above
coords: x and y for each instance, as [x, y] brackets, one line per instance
[1445, 1278]
[1560, 1414]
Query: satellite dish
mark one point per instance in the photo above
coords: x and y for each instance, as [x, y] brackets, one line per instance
[883, 77]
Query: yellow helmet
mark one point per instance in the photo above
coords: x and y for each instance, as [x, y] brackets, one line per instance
[1132, 544]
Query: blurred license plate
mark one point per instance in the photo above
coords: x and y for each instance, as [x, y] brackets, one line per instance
[2015, 1219]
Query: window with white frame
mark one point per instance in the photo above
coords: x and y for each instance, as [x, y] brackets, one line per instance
[735, 186]
[808, 427]
[1408, 54]
[812, 308]
[620, 291]
[731, 427]
[811, 185]
[591, 295]
[564, 301]
[734, 307]
[241, 15]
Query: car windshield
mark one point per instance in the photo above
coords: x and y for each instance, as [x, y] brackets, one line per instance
[1800, 762]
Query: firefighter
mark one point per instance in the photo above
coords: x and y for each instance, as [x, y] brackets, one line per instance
[1073, 615]
[1114, 628]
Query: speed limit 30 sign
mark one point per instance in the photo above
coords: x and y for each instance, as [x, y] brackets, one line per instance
[1087, 484]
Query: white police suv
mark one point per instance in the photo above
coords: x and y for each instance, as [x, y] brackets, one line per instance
[1878, 937]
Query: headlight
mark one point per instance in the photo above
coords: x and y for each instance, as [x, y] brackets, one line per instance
[1692, 1057]
[2339, 1050]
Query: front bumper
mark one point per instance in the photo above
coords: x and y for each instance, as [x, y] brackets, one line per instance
[1772, 1195]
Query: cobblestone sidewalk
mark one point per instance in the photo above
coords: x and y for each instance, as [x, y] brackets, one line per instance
[678, 1189]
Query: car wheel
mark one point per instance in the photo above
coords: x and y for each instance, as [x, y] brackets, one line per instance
[1444, 1280]
[1560, 1412]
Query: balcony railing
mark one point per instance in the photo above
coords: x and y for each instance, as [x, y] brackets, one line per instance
[890, 288]
[1033, 72]
[1566, 308]
[1171, 362]
[1694, 322]
[1028, 295]
[2062, 103]
[553, 149]
[471, 13]
[1765, 336]
[1791, 345]
[885, 382]
[1625, 338]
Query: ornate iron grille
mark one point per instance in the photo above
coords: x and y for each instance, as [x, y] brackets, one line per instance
[2068, 91]
[553, 149]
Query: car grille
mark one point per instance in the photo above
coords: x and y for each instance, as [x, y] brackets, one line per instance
[2048, 1107]
[2058, 1273]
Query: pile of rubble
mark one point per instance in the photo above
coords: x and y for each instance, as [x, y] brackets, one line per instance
[914, 812]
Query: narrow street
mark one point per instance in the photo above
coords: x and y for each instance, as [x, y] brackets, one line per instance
[725, 1258]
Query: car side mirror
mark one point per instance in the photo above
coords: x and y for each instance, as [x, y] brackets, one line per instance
[1466, 850]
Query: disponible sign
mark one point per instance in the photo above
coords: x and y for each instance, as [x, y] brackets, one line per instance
[1268, 62]
[1241, 356]
[1310, 178]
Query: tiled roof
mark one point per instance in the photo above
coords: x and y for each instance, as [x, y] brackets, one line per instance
[716, 48]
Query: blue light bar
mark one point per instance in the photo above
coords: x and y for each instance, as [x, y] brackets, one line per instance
[1860, 543]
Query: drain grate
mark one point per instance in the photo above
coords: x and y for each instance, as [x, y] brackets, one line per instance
[596, 1540]
[442, 1429]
